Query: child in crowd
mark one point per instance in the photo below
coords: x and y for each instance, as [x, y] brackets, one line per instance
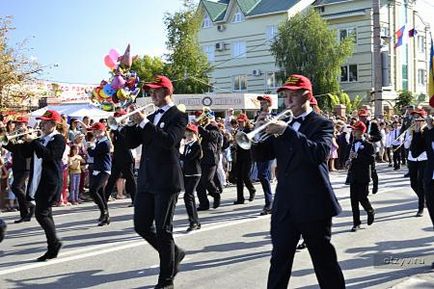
[74, 167]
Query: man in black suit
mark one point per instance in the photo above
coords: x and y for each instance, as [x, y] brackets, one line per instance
[46, 176]
[123, 161]
[304, 202]
[361, 156]
[160, 177]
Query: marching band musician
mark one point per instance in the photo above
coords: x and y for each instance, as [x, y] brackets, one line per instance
[360, 157]
[160, 176]
[46, 176]
[243, 164]
[123, 161]
[428, 178]
[210, 135]
[304, 202]
[417, 158]
[20, 171]
[373, 136]
[396, 145]
[100, 151]
[264, 158]
[192, 171]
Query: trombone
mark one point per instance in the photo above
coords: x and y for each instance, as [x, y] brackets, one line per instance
[245, 140]
[12, 137]
[115, 122]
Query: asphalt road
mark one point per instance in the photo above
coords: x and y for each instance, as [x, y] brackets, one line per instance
[232, 250]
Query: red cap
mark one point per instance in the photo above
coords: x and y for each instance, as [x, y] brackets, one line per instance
[160, 81]
[98, 126]
[419, 111]
[431, 101]
[266, 98]
[22, 119]
[297, 82]
[242, 117]
[359, 125]
[192, 127]
[362, 112]
[120, 112]
[51, 115]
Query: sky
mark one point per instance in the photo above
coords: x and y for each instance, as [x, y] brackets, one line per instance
[71, 37]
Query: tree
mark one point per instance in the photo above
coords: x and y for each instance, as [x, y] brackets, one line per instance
[188, 65]
[147, 67]
[305, 45]
[404, 99]
[16, 69]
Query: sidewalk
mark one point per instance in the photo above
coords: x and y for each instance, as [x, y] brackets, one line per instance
[421, 281]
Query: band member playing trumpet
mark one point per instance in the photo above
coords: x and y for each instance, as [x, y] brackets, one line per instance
[304, 202]
[46, 176]
[160, 176]
[417, 158]
[100, 152]
[361, 156]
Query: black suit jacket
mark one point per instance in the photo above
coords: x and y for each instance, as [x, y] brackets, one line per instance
[52, 174]
[360, 167]
[191, 159]
[429, 142]
[160, 169]
[303, 189]
[373, 130]
[210, 137]
[19, 162]
[121, 151]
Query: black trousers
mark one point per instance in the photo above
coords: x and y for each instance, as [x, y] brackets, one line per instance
[242, 169]
[206, 183]
[374, 176]
[190, 184]
[359, 194]
[429, 196]
[44, 216]
[416, 170]
[127, 171]
[285, 235]
[19, 189]
[96, 190]
[158, 207]
[396, 157]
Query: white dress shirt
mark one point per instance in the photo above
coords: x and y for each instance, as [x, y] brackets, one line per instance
[296, 125]
[158, 115]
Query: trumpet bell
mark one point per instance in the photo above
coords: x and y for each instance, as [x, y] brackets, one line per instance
[243, 140]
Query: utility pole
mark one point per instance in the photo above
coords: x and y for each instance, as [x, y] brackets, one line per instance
[378, 77]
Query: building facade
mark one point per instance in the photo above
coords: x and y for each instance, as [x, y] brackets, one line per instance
[236, 36]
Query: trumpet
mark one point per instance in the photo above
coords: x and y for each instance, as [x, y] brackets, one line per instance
[115, 122]
[245, 140]
[205, 116]
[12, 137]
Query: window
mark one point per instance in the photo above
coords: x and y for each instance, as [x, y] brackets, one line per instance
[270, 80]
[421, 77]
[421, 44]
[209, 50]
[404, 77]
[271, 32]
[349, 73]
[239, 49]
[348, 32]
[240, 82]
[238, 16]
[207, 23]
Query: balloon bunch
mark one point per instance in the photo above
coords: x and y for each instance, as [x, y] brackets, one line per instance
[122, 87]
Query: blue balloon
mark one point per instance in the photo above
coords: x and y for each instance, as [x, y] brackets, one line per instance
[109, 90]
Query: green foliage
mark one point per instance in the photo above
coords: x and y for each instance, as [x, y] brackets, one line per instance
[147, 67]
[333, 99]
[404, 99]
[305, 45]
[421, 97]
[188, 65]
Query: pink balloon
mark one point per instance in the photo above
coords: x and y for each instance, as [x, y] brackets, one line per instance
[118, 82]
[114, 55]
[109, 62]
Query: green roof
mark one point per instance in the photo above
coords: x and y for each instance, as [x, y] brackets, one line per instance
[217, 9]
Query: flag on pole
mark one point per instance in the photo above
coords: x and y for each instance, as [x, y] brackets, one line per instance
[431, 76]
[412, 32]
[399, 36]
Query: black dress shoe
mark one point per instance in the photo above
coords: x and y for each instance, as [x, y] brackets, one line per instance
[202, 208]
[166, 285]
[20, 220]
[265, 212]
[193, 227]
[105, 221]
[216, 203]
[239, 202]
[179, 256]
[252, 196]
[355, 228]
[419, 213]
[51, 253]
[371, 217]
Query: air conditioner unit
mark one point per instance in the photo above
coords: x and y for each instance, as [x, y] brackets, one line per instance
[220, 46]
[221, 27]
[256, 72]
